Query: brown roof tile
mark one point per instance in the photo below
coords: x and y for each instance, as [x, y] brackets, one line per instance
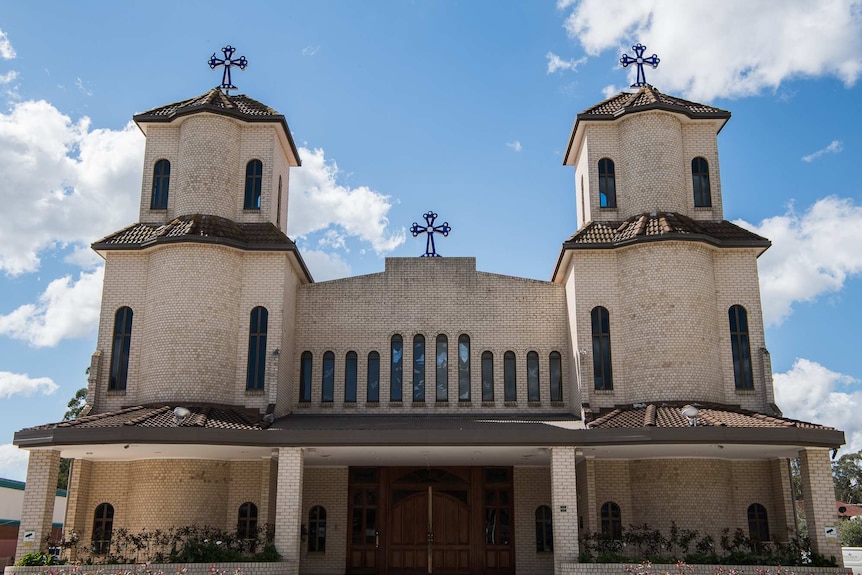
[214, 100]
[205, 416]
[647, 98]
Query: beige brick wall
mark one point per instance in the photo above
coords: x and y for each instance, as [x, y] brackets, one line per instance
[39, 495]
[564, 506]
[288, 507]
[532, 488]
[818, 491]
[326, 486]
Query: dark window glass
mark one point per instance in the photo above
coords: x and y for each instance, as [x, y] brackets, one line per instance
[278, 209]
[607, 184]
[317, 529]
[464, 367]
[418, 367]
[350, 377]
[602, 376]
[161, 184]
[544, 529]
[487, 376]
[305, 377]
[740, 348]
[510, 390]
[120, 349]
[396, 368]
[758, 526]
[256, 371]
[103, 528]
[373, 393]
[700, 182]
[327, 390]
[246, 525]
[442, 368]
[532, 376]
[555, 367]
[612, 524]
[253, 183]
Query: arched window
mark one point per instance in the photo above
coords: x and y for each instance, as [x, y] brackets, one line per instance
[396, 367]
[758, 525]
[278, 208]
[418, 367]
[253, 183]
[463, 367]
[607, 184]
[602, 376]
[372, 393]
[327, 388]
[350, 369]
[442, 368]
[612, 524]
[246, 522]
[317, 529]
[555, 368]
[120, 349]
[510, 390]
[544, 529]
[103, 528]
[305, 377]
[532, 376]
[256, 349]
[700, 183]
[487, 376]
[161, 184]
[740, 348]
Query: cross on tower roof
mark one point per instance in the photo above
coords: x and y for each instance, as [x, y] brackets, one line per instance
[228, 61]
[430, 229]
[639, 60]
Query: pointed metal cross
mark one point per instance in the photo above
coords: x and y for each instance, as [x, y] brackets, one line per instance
[430, 229]
[228, 61]
[639, 60]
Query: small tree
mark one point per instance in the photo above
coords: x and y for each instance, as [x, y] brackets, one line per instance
[851, 533]
[847, 475]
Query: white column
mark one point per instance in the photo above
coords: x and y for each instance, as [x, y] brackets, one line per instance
[564, 510]
[288, 508]
[38, 511]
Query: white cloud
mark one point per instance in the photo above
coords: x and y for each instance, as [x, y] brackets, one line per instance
[8, 77]
[812, 253]
[7, 52]
[318, 202]
[516, 145]
[810, 392]
[724, 49]
[833, 148]
[22, 384]
[63, 184]
[325, 266]
[79, 83]
[66, 309]
[13, 462]
[610, 90]
[310, 50]
[555, 63]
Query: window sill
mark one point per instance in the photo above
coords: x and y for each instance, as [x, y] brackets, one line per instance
[254, 392]
[374, 404]
[417, 404]
[465, 403]
[251, 209]
[746, 392]
[116, 392]
[510, 404]
[534, 404]
[396, 403]
[349, 405]
[327, 404]
[303, 405]
[703, 208]
[603, 391]
[558, 404]
[488, 404]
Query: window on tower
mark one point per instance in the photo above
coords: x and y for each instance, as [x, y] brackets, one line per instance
[464, 367]
[419, 367]
[442, 368]
[253, 184]
[740, 347]
[532, 376]
[607, 184]
[120, 350]
[510, 390]
[487, 376]
[372, 393]
[700, 183]
[161, 183]
[396, 367]
[305, 363]
[555, 367]
[256, 349]
[327, 388]
[602, 377]
[350, 370]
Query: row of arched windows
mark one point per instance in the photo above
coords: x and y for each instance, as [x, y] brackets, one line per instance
[251, 198]
[611, 523]
[699, 182]
[418, 384]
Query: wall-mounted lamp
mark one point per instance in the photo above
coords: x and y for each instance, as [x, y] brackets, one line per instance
[181, 414]
[691, 414]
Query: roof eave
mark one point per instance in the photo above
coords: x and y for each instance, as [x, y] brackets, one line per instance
[764, 244]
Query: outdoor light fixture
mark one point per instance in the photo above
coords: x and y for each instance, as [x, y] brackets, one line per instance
[690, 413]
[180, 415]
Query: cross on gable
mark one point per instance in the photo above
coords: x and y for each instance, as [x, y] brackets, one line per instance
[430, 229]
[227, 62]
[639, 61]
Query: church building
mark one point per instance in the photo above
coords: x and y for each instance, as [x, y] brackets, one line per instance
[468, 423]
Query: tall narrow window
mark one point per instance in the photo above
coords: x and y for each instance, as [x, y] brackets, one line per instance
[555, 368]
[418, 367]
[758, 526]
[607, 184]
[532, 376]
[253, 183]
[612, 523]
[278, 208]
[327, 389]
[740, 348]
[317, 529]
[256, 371]
[464, 367]
[700, 183]
[372, 394]
[544, 529]
[120, 349]
[246, 523]
[396, 367]
[510, 389]
[602, 377]
[103, 528]
[442, 368]
[161, 184]
[350, 377]
[305, 377]
[487, 376]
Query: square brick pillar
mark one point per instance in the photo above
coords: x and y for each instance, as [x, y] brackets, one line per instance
[564, 508]
[77, 502]
[818, 490]
[37, 513]
[288, 508]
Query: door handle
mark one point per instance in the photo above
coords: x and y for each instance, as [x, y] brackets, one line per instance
[377, 539]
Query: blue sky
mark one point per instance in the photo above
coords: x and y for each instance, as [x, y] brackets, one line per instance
[463, 108]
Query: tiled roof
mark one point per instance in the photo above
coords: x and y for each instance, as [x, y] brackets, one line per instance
[662, 225]
[205, 416]
[648, 98]
[214, 100]
[847, 510]
[668, 414]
